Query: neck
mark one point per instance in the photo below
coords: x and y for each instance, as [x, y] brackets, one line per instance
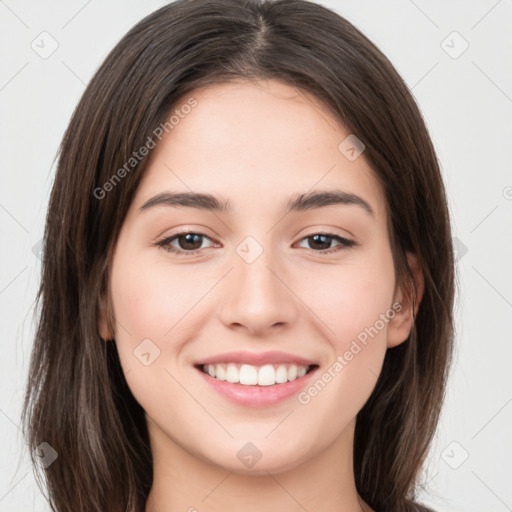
[185, 482]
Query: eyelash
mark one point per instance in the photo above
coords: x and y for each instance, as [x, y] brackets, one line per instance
[165, 243]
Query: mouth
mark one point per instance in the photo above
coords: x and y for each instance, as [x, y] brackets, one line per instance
[252, 375]
[256, 386]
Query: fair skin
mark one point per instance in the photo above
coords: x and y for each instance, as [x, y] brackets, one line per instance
[258, 146]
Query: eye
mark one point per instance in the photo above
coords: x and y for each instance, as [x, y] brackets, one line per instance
[321, 240]
[189, 241]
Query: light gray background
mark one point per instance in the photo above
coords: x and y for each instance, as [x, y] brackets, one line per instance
[467, 103]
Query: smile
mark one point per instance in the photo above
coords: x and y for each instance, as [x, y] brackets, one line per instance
[250, 375]
[256, 386]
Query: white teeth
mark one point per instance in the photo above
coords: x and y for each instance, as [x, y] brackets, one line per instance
[249, 375]
[232, 373]
[292, 372]
[219, 372]
[266, 375]
[281, 374]
[301, 371]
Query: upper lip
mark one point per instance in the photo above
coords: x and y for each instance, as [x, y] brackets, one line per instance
[257, 358]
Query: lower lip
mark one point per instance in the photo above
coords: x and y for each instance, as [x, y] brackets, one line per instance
[257, 396]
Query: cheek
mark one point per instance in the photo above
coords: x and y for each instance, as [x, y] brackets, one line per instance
[354, 304]
[152, 305]
[155, 301]
[150, 298]
[351, 299]
[355, 307]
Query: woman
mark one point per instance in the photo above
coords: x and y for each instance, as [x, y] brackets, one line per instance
[248, 274]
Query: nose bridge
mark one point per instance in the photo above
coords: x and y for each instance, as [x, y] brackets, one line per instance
[258, 297]
[254, 268]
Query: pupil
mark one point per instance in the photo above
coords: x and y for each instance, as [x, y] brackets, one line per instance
[188, 240]
[315, 239]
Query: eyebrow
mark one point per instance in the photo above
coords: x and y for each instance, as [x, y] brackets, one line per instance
[298, 202]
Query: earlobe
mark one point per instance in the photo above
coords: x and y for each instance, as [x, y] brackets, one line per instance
[402, 323]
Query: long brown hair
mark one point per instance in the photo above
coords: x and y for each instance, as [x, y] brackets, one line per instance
[77, 399]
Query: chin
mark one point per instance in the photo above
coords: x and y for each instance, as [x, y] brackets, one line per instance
[249, 460]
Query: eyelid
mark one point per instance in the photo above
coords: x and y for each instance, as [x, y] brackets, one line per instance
[344, 243]
[166, 241]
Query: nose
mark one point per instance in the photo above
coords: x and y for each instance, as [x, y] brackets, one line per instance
[258, 298]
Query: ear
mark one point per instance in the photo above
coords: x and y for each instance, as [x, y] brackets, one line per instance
[400, 326]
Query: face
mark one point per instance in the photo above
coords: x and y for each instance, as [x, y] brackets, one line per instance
[275, 284]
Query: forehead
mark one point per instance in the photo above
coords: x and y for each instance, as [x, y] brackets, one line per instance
[255, 142]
